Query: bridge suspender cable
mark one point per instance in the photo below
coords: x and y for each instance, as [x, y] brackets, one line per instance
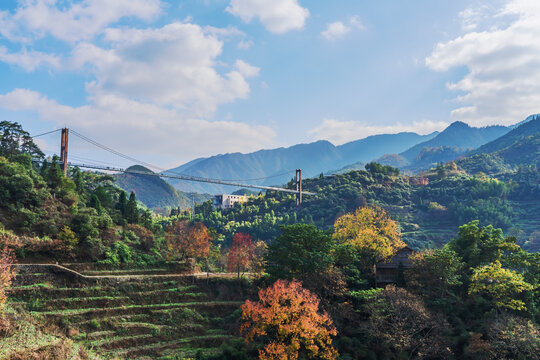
[65, 163]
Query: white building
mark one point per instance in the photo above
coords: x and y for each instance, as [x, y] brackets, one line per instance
[227, 201]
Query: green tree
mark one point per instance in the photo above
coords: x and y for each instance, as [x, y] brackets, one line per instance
[434, 274]
[132, 212]
[300, 250]
[95, 203]
[500, 284]
[122, 203]
[15, 141]
[481, 245]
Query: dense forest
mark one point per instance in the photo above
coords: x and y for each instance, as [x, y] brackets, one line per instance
[471, 291]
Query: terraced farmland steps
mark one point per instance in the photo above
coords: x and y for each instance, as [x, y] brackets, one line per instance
[130, 316]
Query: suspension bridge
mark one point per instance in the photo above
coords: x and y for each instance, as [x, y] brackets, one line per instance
[168, 174]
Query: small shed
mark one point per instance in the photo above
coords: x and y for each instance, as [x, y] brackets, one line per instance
[386, 271]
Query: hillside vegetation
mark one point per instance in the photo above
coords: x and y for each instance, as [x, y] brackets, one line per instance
[134, 284]
[155, 192]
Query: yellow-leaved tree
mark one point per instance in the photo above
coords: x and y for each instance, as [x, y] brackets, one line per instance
[370, 231]
[502, 285]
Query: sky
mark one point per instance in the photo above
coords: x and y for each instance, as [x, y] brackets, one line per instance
[169, 81]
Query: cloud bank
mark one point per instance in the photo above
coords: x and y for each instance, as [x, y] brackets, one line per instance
[502, 85]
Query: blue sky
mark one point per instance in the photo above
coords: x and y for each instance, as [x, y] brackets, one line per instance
[169, 81]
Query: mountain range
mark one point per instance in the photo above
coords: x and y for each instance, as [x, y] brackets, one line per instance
[456, 140]
[277, 166]
[489, 149]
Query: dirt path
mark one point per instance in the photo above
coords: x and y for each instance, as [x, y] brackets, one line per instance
[59, 268]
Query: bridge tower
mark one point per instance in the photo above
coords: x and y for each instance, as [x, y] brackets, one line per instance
[64, 149]
[299, 187]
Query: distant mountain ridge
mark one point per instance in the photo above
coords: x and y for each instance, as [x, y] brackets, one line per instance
[530, 126]
[460, 135]
[519, 147]
[276, 166]
[456, 140]
[408, 151]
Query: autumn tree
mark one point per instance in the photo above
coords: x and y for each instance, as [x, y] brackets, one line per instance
[514, 337]
[144, 236]
[240, 253]
[288, 322]
[185, 240]
[68, 237]
[500, 284]
[371, 232]
[404, 328]
[7, 274]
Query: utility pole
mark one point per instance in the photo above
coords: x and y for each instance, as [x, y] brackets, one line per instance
[64, 150]
[299, 187]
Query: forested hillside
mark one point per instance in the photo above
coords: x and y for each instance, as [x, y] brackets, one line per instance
[428, 214]
[517, 150]
[313, 289]
[155, 192]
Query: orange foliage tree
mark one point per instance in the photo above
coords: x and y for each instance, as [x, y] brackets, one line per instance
[241, 253]
[7, 273]
[371, 231]
[187, 240]
[287, 318]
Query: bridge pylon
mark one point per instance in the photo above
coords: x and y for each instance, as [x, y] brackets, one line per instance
[64, 149]
[298, 187]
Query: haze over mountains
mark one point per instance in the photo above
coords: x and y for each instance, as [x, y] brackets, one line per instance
[277, 166]
[456, 140]
[489, 149]
[408, 151]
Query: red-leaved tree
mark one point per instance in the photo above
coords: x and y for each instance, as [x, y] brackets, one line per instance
[187, 240]
[288, 320]
[241, 253]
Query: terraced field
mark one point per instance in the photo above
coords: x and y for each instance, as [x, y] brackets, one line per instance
[157, 317]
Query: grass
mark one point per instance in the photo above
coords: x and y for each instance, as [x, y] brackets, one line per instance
[142, 317]
[137, 307]
[31, 339]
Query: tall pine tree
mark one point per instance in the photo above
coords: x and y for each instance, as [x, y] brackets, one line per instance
[132, 213]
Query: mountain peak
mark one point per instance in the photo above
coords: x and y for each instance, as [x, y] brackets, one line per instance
[457, 125]
[139, 168]
[532, 117]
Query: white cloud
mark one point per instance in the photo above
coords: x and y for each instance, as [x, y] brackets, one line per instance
[245, 44]
[339, 29]
[278, 16]
[29, 60]
[173, 65]
[246, 70]
[143, 129]
[335, 30]
[339, 132]
[74, 22]
[503, 82]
